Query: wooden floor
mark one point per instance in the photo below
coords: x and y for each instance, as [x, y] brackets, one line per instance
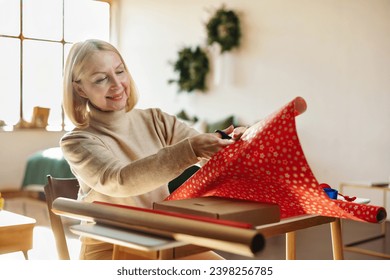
[312, 244]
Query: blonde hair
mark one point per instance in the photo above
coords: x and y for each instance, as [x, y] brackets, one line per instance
[75, 106]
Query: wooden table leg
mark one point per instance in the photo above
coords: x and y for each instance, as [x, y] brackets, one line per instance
[290, 246]
[337, 241]
[25, 253]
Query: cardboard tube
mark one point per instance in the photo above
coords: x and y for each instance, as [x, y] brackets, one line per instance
[247, 242]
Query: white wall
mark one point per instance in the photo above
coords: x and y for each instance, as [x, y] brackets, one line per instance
[16, 147]
[334, 53]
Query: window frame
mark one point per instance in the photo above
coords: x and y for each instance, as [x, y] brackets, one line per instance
[22, 124]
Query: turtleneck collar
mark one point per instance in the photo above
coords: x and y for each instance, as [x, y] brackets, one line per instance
[109, 119]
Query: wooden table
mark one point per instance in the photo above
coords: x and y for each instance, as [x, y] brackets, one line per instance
[289, 227]
[16, 233]
[128, 244]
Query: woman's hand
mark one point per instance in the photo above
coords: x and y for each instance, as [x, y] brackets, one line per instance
[207, 144]
[238, 132]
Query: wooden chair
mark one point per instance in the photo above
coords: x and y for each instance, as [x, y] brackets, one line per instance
[60, 187]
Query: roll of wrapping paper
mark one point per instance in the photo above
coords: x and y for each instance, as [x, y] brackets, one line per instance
[268, 165]
[363, 212]
[242, 241]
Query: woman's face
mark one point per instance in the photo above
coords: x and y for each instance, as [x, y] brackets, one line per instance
[105, 81]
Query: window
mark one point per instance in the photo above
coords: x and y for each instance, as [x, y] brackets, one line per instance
[35, 38]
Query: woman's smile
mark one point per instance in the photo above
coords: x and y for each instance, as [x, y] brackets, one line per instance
[116, 97]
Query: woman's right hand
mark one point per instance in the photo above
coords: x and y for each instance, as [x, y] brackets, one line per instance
[207, 144]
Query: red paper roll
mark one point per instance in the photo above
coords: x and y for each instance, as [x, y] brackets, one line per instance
[268, 165]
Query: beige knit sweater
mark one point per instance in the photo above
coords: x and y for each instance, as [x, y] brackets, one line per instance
[128, 158]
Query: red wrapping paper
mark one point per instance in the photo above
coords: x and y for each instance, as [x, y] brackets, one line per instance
[268, 165]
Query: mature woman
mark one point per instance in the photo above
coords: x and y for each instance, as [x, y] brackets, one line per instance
[120, 154]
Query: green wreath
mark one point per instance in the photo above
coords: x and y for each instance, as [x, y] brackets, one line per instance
[224, 28]
[193, 66]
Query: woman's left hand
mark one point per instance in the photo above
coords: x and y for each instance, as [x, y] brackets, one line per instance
[238, 132]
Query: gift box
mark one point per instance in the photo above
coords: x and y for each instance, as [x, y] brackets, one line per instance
[250, 212]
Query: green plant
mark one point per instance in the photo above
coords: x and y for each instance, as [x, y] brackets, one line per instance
[192, 66]
[224, 28]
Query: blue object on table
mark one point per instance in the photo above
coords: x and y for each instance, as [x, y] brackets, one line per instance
[43, 163]
[332, 193]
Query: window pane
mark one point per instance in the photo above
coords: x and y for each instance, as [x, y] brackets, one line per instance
[10, 17]
[42, 79]
[95, 17]
[42, 19]
[10, 80]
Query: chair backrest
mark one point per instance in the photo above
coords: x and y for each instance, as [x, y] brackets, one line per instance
[60, 187]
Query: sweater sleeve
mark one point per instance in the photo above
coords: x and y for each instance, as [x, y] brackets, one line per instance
[171, 129]
[95, 164]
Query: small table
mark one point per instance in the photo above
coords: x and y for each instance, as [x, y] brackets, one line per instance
[16, 233]
[289, 226]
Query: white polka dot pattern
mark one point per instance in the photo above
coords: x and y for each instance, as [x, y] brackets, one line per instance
[268, 165]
